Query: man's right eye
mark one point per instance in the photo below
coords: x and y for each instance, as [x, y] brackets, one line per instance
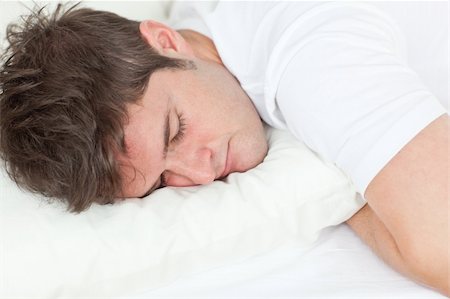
[181, 129]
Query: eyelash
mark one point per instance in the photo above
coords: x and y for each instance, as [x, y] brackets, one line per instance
[181, 130]
[178, 137]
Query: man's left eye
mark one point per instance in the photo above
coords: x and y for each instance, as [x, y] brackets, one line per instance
[181, 129]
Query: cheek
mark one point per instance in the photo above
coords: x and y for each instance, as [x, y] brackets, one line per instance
[138, 174]
[131, 182]
[139, 166]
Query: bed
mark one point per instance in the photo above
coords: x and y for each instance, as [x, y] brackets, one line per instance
[338, 266]
[232, 239]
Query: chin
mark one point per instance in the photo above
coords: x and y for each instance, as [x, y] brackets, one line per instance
[256, 154]
[262, 154]
[250, 147]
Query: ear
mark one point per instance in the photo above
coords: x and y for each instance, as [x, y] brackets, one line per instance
[164, 39]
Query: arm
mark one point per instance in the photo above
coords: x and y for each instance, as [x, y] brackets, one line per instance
[406, 220]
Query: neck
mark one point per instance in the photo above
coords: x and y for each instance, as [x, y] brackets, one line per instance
[202, 45]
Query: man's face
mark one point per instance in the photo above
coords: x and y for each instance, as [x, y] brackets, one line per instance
[210, 125]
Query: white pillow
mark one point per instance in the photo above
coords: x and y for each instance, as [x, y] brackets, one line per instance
[120, 249]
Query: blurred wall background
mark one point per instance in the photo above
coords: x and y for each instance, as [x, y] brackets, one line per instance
[137, 10]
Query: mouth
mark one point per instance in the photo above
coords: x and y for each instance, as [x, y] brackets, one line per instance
[227, 164]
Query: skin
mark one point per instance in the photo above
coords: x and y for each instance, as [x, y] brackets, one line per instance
[406, 219]
[214, 129]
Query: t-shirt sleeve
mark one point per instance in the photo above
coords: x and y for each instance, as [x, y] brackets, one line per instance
[348, 92]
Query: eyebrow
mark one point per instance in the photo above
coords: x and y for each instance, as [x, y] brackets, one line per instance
[166, 148]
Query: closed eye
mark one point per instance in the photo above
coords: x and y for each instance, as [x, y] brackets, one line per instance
[181, 130]
[177, 138]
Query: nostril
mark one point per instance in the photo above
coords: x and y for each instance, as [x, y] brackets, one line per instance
[205, 177]
[177, 180]
[189, 169]
[189, 179]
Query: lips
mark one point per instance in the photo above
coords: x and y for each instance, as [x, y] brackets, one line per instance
[227, 164]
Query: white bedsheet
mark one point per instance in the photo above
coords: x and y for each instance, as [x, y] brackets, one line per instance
[338, 266]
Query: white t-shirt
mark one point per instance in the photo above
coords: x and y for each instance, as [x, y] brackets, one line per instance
[334, 73]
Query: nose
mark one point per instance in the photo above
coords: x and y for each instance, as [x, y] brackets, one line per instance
[184, 169]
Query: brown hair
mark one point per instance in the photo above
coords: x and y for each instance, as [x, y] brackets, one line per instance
[65, 82]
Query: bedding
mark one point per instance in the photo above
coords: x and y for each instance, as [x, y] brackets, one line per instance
[139, 244]
[339, 266]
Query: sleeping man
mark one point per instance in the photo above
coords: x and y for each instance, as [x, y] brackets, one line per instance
[95, 107]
